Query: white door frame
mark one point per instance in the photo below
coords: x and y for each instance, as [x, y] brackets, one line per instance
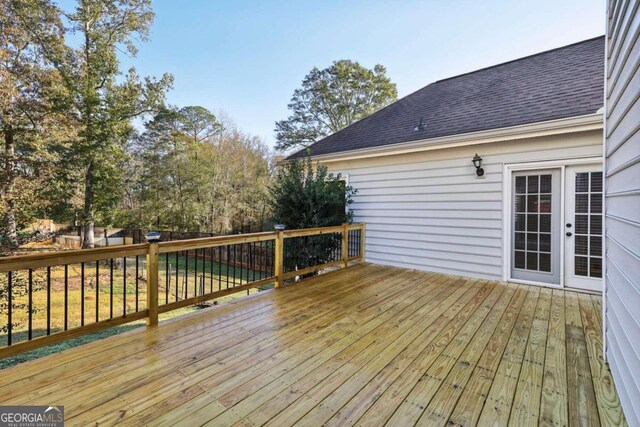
[507, 170]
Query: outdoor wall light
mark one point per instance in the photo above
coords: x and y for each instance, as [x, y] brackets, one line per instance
[279, 227]
[477, 162]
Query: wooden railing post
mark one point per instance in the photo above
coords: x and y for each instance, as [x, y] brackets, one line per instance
[152, 280]
[345, 245]
[279, 258]
[363, 239]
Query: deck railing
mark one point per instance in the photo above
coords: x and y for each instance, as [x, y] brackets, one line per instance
[52, 297]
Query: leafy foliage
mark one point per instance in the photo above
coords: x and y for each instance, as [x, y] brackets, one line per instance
[103, 104]
[30, 109]
[304, 195]
[307, 196]
[203, 177]
[331, 99]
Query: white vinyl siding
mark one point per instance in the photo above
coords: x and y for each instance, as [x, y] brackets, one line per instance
[429, 211]
[622, 203]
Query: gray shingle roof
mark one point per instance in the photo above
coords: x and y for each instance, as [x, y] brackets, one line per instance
[560, 83]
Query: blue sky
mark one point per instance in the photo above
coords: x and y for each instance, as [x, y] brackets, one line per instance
[247, 57]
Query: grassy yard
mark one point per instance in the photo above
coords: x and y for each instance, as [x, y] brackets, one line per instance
[108, 293]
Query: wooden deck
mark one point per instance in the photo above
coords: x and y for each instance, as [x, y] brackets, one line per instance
[369, 345]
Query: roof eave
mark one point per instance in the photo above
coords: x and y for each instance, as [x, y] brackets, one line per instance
[532, 130]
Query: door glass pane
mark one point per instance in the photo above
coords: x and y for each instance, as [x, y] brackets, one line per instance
[532, 261]
[545, 203]
[545, 223]
[545, 242]
[595, 247]
[532, 241]
[581, 266]
[582, 224]
[582, 203]
[545, 184]
[596, 203]
[532, 222]
[545, 262]
[582, 245]
[595, 267]
[532, 184]
[596, 182]
[588, 224]
[582, 182]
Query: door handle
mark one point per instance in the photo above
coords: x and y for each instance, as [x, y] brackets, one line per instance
[568, 234]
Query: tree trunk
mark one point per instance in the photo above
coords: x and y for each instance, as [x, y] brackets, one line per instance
[88, 240]
[10, 214]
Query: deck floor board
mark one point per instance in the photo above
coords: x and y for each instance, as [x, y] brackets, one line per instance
[368, 346]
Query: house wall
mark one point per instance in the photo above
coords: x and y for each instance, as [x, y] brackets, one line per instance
[622, 203]
[429, 211]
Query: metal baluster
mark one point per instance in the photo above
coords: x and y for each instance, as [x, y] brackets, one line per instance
[82, 294]
[48, 300]
[210, 270]
[195, 273]
[97, 291]
[352, 245]
[203, 254]
[124, 291]
[228, 262]
[30, 303]
[177, 277]
[111, 288]
[10, 306]
[66, 296]
[235, 264]
[356, 243]
[219, 268]
[167, 278]
[248, 261]
[186, 274]
[253, 263]
[137, 278]
[248, 268]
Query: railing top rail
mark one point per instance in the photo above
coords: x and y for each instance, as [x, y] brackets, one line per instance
[208, 242]
[50, 259]
[312, 231]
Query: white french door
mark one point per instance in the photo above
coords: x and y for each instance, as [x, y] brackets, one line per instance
[556, 217]
[536, 226]
[583, 227]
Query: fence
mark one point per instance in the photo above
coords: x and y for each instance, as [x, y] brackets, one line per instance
[138, 235]
[47, 298]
